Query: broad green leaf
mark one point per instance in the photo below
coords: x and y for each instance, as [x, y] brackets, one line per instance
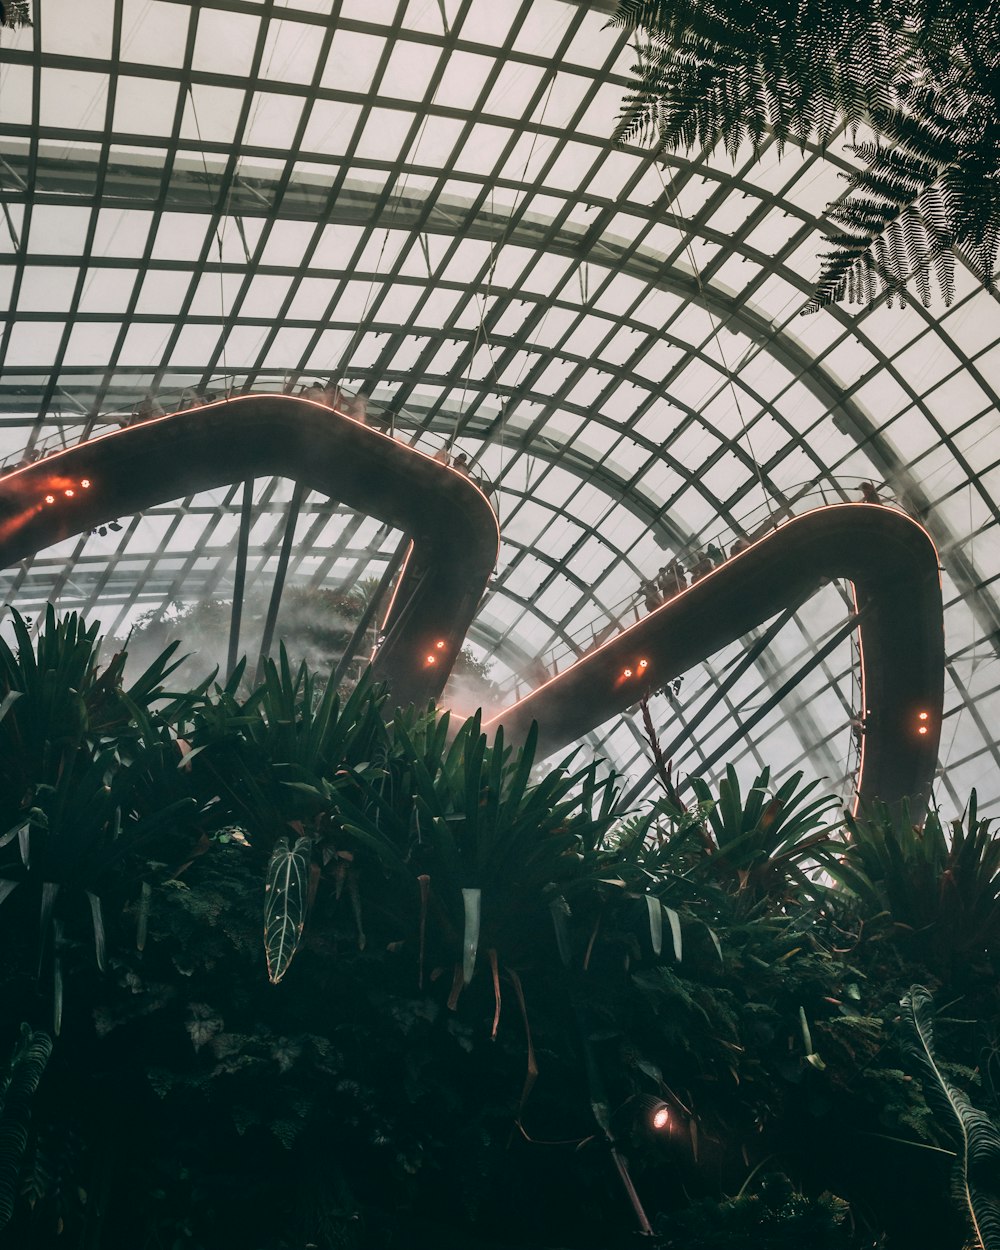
[9, 699]
[284, 904]
[716, 943]
[49, 891]
[14, 831]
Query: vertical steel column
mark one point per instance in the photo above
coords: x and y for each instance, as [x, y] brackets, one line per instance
[357, 638]
[240, 577]
[291, 518]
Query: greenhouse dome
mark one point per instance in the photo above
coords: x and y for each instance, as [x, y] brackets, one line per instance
[424, 201]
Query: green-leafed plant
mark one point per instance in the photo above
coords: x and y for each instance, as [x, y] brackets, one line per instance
[923, 77]
[272, 764]
[75, 750]
[18, 1083]
[976, 1174]
[765, 846]
[936, 886]
[481, 851]
[496, 969]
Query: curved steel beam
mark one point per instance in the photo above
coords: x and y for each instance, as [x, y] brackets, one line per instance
[893, 565]
[453, 528]
[889, 558]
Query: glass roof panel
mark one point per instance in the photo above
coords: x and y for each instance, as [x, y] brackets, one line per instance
[619, 345]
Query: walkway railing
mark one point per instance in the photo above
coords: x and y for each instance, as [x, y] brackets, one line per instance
[707, 549]
[396, 422]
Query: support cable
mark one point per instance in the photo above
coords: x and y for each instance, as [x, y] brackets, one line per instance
[371, 608]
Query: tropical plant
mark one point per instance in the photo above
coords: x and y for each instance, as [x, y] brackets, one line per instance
[977, 1159]
[920, 78]
[936, 888]
[73, 747]
[495, 967]
[18, 1083]
[268, 763]
[767, 845]
[484, 853]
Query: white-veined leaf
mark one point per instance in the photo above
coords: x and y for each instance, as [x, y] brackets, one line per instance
[285, 904]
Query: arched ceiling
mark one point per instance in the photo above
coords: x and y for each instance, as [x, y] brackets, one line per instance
[423, 195]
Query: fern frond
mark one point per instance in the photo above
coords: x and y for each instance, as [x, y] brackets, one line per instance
[974, 1180]
[17, 1089]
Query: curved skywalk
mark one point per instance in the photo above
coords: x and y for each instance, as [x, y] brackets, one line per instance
[422, 196]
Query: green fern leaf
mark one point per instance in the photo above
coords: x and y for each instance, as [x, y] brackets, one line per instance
[977, 1166]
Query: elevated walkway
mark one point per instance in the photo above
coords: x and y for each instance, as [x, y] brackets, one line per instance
[891, 562]
[453, 528]
[888, 557]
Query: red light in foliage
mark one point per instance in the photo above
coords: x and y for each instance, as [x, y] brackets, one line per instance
[85, 483]
[922, 716]
[643, 664]
[50, 498]
[627, 673]
[69, 493]
[660, 1117]
[922, 729]
[432, 659]
[440, 644]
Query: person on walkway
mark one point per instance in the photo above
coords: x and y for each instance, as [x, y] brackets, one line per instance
[869, 494]
[356, 406]
[651, 596]
[147, 408]
[333, 397]
[701, 566]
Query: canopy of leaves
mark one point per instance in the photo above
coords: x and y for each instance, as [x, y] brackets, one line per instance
[496, 971]
[923, 77]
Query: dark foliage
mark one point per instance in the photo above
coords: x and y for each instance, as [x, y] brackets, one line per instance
[923, 78]
[496, 975]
